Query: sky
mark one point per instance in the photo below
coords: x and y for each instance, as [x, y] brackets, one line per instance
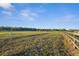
[40, 15]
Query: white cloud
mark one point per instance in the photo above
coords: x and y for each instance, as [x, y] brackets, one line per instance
[6, 6]
[41, 9]
[28, 14]
[34, 14]
[8, 9]
[7, 13]
[24, 13]
[66, 18]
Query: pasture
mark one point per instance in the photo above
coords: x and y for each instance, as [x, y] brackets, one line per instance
[32, 43]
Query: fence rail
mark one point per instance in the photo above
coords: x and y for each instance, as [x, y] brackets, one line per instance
[74, 37]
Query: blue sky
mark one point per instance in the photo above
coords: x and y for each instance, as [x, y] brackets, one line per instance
[40, 15]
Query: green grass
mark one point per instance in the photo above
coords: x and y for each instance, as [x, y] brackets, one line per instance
[6, 34]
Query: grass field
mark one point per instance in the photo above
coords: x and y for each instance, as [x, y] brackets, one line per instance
[6, 34]
[32, 43]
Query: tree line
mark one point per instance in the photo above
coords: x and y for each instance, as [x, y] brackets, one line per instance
[27, 29]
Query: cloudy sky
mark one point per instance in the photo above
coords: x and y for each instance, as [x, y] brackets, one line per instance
[39, 15]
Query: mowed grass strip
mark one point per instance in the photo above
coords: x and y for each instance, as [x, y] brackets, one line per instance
[17, 33]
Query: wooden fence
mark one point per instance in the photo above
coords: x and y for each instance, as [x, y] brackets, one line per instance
[71, 43]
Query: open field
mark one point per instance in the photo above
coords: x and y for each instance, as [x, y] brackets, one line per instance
[17, 33]
[32, 43]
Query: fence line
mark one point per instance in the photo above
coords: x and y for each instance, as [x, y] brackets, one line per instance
[71, 44]
[75, 41]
